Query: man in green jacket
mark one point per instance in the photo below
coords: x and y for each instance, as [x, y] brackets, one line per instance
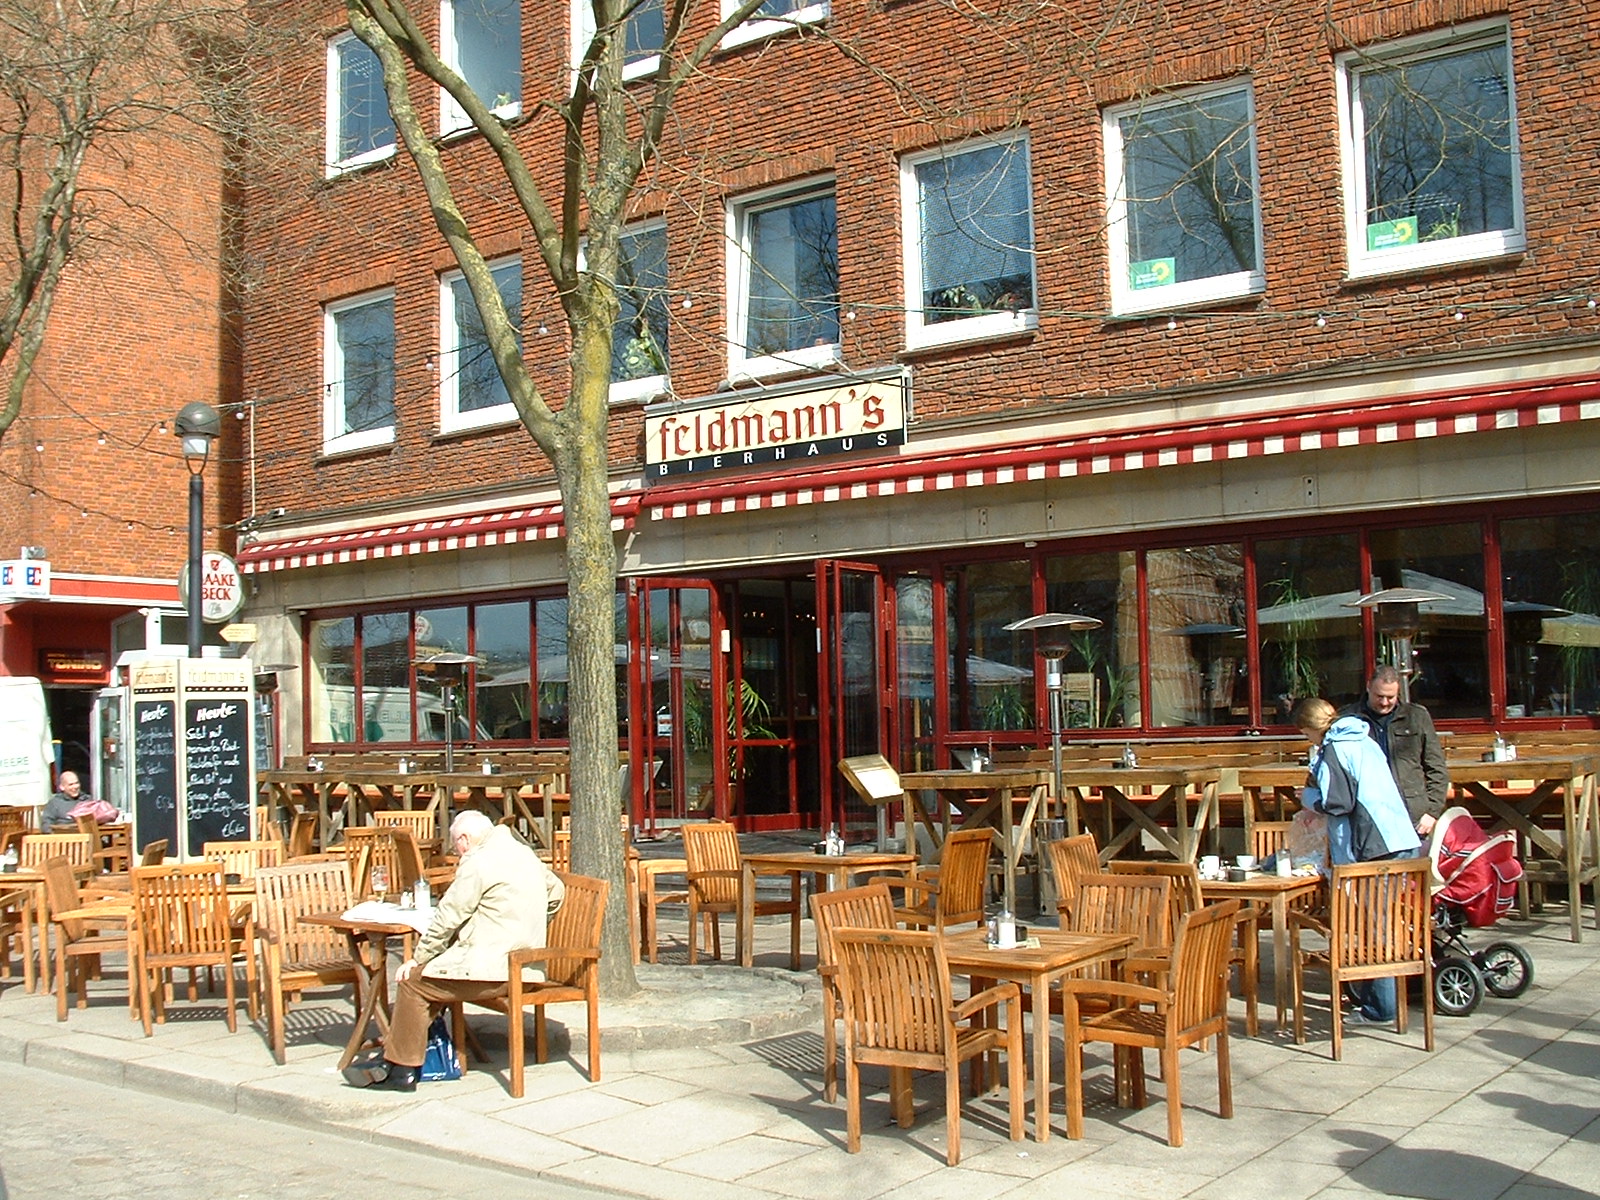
[1406, 734]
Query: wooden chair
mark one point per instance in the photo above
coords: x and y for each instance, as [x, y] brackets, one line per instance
[899, 1013]
[1070, 858]
[1378, 926]
[81, 922]
[183, 919]
[302, 835]
[953, 893]
[14, 822]
[1121, 903]
[295, 956]
[243, 859]
[1190, 1008]
[1268, 837]
[571, 962]
[711, 852]
[424, 825]
[154, 853]
[369, 846]
[1245, 951]
[76, 848]
[868, 907]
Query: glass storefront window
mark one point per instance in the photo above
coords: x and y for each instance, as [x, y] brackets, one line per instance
[1310, 636]
[1199, 672]
[913, 599]
[1452, 650]
[1550, 571]
[442, 631]
[1101, 673]
[331, 694]
[551, 677]
[386, 677]
[505, 679]
[991, 668]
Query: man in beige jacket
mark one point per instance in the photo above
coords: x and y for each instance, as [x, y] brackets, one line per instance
[497, 903]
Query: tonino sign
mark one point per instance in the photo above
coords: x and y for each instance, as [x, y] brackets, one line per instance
[221, 588]
[769, 426]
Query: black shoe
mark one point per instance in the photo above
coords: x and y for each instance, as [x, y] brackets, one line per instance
[398, 1079]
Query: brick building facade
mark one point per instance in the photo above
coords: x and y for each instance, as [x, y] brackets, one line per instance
[1201, 321]
[91, 477]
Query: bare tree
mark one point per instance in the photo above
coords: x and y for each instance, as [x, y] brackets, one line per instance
[607, 138]
[83, 83]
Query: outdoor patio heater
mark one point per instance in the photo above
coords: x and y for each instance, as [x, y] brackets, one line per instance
[449, 670]
[1051, 632]
[1397, 613]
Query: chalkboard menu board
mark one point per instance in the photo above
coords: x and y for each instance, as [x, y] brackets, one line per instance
[217, 770]
[155, 770]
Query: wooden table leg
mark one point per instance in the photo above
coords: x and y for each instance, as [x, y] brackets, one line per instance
[746, 924]
[1041, 1058]
[1280, 954]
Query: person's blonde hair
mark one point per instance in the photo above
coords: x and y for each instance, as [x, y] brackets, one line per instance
[1313, 713]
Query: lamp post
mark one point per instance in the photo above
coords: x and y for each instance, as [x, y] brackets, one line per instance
[1050, 632]
[197, 426]
[1397, 612]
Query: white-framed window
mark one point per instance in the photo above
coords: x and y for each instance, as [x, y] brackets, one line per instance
[968, 241]
[644, 31]
[471, 392]
[360, 129]
[482, 41]
[1430, 150]
[1183, 209]
[784, 280]
[774, 16]
[358, 373]
[639, 362]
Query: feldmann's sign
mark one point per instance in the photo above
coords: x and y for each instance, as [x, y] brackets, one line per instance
[794, 427]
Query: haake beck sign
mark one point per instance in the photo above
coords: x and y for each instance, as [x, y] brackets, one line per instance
[221, 588]
[754, 427]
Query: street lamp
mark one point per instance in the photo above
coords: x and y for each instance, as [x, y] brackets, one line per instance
[197, 427]
[1397, 613]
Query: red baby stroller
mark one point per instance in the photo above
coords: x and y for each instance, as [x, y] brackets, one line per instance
[1475, 878]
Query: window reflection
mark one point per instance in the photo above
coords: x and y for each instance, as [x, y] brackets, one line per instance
[1550, 567]
[1452, 655]
[1199, 673]
[331, 695]
[504, 682]
[1101, 673]
[991, 668]
[1310, 633]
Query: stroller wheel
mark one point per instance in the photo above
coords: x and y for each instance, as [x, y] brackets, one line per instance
[1457, 986]
[1507, 969]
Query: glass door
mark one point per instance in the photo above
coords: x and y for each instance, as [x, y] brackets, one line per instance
[858, 712]
[682, 733]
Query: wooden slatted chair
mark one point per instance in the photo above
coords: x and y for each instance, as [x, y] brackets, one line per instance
[868, 907]
[368, 846]
[294, 956]
[953, 893]
[154, 853]
[1378, 925]
[424, 825]
[899, 1013]
[302, 835]
[571, 964]
[184, 919]
[715, 866]
[1070, 858]
[1268, 837]
[1245, 953]
[76, 848]
[87, 924]
[243, 859]
[1190, 1008]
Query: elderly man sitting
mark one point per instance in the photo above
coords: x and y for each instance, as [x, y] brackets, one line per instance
[498, 902]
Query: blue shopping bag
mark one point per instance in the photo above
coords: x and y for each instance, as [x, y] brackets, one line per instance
[440, 1062]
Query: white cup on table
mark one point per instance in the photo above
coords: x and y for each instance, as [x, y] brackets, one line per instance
[1210, 866]
[1245, 862]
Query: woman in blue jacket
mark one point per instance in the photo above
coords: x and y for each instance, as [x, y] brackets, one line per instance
[1351, 785]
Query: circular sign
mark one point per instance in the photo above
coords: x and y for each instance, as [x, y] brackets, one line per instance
[221, 587]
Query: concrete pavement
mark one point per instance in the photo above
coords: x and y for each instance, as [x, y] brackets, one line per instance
[711, 1091]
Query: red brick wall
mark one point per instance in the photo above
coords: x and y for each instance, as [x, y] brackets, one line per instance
[795, 105]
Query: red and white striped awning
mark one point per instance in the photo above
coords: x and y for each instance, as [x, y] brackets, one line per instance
[468, 531]
[1320, 428]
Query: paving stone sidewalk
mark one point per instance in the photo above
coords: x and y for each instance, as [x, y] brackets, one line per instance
[711, 1091]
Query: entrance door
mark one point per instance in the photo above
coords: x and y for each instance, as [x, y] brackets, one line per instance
[858, 715]
[681, 734]
[109, 752]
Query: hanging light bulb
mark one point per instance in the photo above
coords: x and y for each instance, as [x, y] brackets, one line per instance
[1172, 323]
[102, 438]
[1322, 321]
[38, 446]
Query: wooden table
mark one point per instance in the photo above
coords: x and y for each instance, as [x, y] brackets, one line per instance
[502, 791]
[1276, 892]
[28, 882]
[19, 895]
[830, 870]
[1170, 787]
[1058, 954]
[1564, 779]
[982, 798]
[296, 791]
[369, 951]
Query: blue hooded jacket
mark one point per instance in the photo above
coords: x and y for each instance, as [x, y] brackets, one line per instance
[1352, 785]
